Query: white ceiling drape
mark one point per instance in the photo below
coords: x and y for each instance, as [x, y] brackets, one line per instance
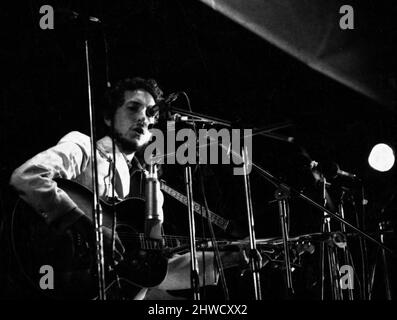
[309, 30]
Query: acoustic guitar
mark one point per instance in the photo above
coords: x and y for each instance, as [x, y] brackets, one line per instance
[72, 255]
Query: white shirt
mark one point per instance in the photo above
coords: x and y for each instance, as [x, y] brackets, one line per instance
[70, 159]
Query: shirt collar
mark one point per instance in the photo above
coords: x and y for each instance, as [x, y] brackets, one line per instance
[105, 147]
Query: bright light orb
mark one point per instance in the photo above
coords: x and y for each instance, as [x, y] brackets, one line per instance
[381, 157]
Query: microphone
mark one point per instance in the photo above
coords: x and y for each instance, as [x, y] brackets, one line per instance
[66, 15]
[153, 219]
[333, 171]
[161, 105]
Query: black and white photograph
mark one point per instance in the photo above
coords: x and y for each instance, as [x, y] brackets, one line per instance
[205, 155]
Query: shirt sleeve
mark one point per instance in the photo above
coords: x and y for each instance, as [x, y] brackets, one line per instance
[34, 180]
[178, 272]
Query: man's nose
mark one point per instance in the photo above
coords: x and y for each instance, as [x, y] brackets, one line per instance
[143, 118]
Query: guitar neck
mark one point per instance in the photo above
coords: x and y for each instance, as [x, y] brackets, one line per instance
[177, 242]
[198, 208]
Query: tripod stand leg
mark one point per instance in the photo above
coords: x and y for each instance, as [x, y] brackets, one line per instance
[254, 255]
[328, 249]
[385, 265]
[346, 253]
[281, 196]
[322, 269]
[334, 273]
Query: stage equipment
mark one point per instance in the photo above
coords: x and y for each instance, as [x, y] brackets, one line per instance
[98, 215]
[381, 157]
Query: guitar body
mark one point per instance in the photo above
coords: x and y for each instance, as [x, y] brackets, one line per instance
[71, 255]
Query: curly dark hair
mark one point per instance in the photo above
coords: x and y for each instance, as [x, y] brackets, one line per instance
[115, 96]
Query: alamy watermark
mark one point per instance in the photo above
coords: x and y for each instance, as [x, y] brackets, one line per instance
[346, 22]
[235, 146]
[346, 273]
[46, 22]
[47, 280]
[47, 18]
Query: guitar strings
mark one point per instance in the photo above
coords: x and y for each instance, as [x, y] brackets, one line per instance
[181, 240]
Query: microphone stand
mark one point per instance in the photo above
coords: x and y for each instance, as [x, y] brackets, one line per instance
[264, 131]
[299, 194]
[282, 196]
[346, 253]
[254, 256]
[194, 270]
[282, 191]
[331, 254]
[268, 176]
[382, 228]
[97, 210]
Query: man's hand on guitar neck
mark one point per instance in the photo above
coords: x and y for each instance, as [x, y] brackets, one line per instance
[240, 258]
[76, 221]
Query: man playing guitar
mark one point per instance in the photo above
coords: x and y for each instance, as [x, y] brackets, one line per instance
[128, 124]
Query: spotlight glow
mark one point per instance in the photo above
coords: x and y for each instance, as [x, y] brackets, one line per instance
[381, 157]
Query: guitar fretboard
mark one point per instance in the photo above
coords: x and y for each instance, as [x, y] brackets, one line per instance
[175, 242]
[198, 208]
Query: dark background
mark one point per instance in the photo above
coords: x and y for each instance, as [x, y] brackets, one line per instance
[227, 72]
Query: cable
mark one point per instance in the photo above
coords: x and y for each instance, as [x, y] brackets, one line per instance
[113, 170]
[372, 275]
[361, 244]
[113, 202]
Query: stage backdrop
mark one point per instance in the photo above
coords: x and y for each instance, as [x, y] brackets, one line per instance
[361, 58]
